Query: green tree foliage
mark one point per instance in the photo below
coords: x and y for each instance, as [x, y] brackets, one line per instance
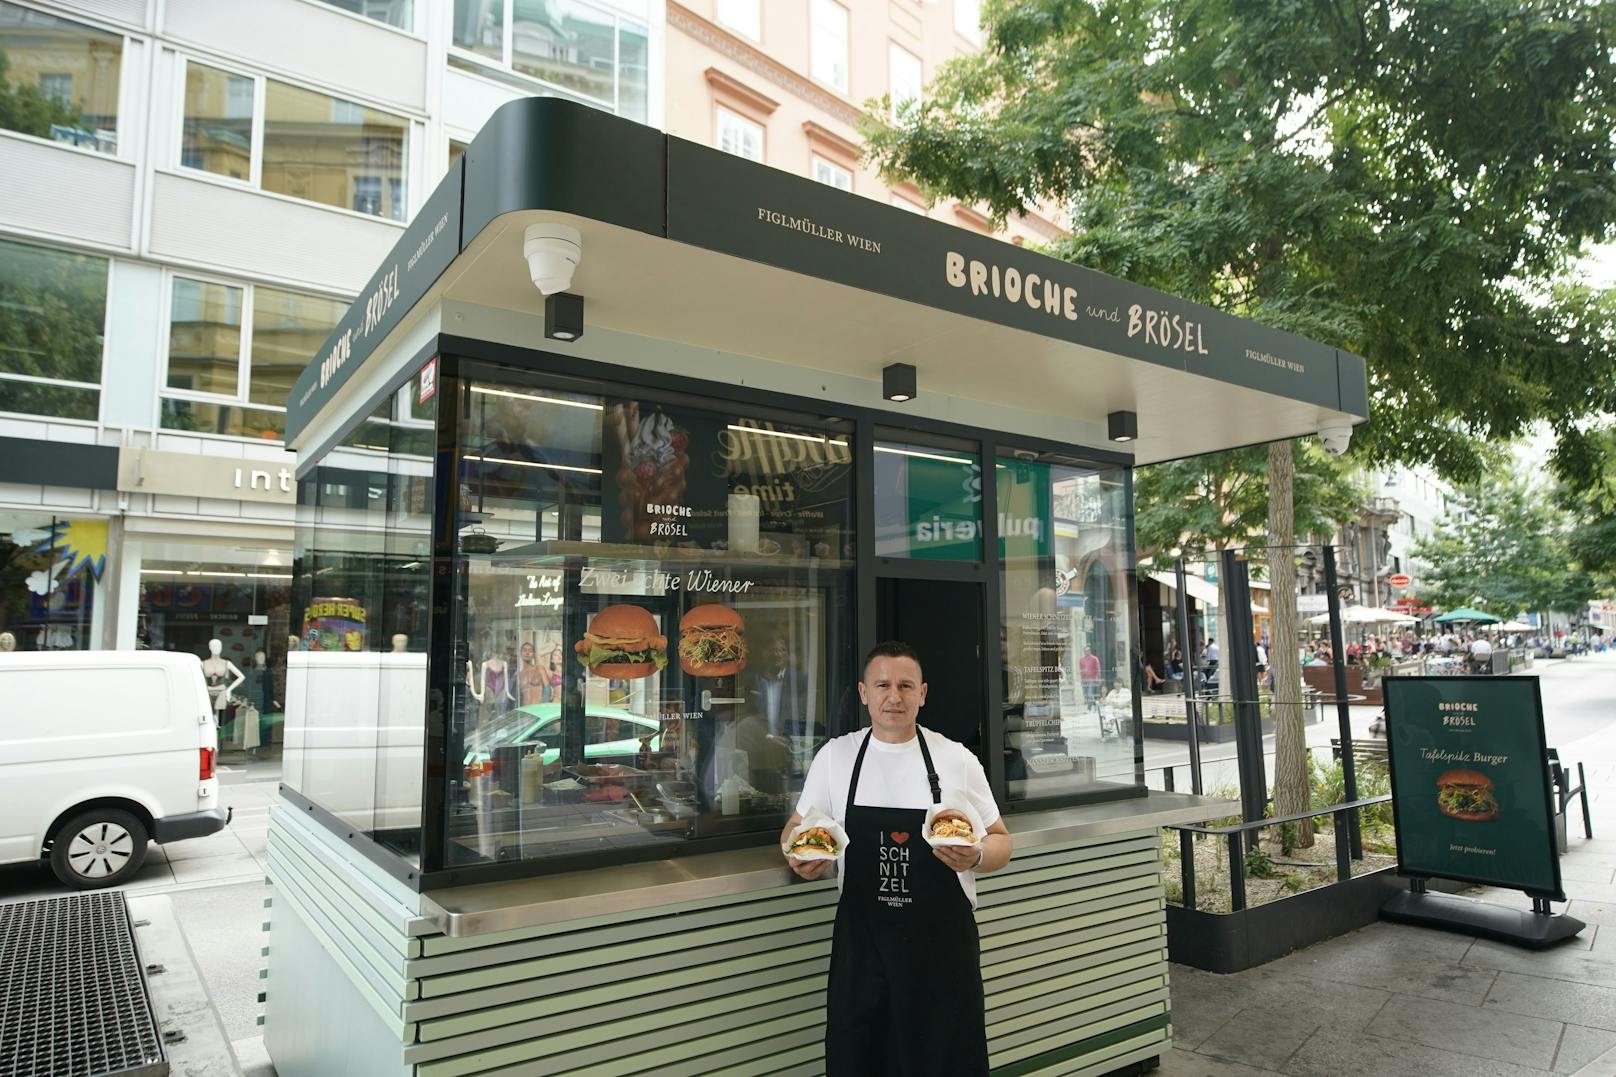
[1505, 548]
[1406, 179]
[1220, 500]
[1588, 493]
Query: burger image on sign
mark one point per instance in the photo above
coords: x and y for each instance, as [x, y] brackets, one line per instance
[1467, 795]
[711, 642]
[623, 644]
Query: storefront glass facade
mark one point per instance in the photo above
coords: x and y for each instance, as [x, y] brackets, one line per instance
[51, 568]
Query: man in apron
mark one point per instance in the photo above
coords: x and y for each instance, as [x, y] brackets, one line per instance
[905, 993]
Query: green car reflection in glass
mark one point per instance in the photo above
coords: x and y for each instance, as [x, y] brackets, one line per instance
[610, 734]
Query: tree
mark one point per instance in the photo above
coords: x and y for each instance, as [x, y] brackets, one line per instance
[24, 108]
[1505, 548]
[1587, 491]
[1405, 179]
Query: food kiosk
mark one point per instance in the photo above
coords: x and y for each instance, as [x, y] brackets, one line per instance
[617, 551]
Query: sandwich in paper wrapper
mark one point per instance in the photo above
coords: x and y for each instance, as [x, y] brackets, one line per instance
[819, 837]
[954, 806]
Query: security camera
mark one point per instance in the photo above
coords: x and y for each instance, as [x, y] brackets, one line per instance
[552, 251]
[1335, 437]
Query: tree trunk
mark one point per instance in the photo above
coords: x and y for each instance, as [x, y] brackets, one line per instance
[1292, 792]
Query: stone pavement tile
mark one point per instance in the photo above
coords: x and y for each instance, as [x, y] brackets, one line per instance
[1281, 987]
[1577, 890]
[1587, 871]
[1581, 1045]
[1381, 962]
[1178, 1063]
[1525, 1041]
[1557, 1000]
[1262, 1038]
[1602, 913]
[207, 868]
[1202, 1004]
[1332, 1053]
[253, 1057]
[223, 843]
[1388, 937]
[1565, 962]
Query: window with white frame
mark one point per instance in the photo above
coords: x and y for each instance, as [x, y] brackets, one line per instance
[903, 203]
[827, 43]
[294, 141]
[968, 19]
[235, 351]
[53, 312]
[580, 50]
[739, 135]
[60, 78]
[903, 76]
[833, 174]
[392, 12]
[743, 16]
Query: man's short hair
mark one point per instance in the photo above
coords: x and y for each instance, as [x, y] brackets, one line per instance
[892, 648]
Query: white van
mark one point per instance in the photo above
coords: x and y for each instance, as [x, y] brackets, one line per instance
[102, 752]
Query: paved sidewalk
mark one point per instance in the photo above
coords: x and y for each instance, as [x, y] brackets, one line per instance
[1393, 999]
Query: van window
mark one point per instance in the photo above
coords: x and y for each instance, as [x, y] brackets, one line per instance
[73, 700]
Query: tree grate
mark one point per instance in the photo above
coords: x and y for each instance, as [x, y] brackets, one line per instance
[73, 999]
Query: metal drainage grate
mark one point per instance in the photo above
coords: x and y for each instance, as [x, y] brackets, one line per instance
[73, 997]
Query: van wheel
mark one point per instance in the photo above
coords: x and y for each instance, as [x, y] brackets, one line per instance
[97, 848]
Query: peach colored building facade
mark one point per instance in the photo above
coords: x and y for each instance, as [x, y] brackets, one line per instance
[784, 82]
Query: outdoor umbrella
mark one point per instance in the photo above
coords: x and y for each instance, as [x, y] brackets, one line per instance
[1514, 626]
[1465, 613]
[1365, 615]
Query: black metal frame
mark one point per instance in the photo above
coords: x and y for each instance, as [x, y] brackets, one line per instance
[458, 356]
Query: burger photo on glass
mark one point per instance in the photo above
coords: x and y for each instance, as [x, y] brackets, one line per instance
[1466, 795]
[622, 643]
[712, 641]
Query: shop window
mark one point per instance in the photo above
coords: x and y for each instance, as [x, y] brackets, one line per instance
[294, 141]
[1065, 568]
[53, 309]
[390, 12]
[221, 380]
[582, 51]
[903, 203]
[928, 501]
[743, 16]
[653, 622]
[61, 78]
[827, 43]
[50, 571]
[833, 174]
[739, 135]
[903, 76]
[359, 618]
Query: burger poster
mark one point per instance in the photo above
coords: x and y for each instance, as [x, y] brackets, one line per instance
[1470, 784]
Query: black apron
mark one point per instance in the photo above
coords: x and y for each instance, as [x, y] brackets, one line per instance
[905, 993]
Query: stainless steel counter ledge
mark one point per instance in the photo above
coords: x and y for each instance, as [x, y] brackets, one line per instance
[486, 908]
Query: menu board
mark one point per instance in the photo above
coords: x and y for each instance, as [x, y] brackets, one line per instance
[1470, 781]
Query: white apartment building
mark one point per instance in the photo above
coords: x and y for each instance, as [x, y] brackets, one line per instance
[191, 193]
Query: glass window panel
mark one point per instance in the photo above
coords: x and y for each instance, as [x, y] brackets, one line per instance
[928, 502]
[739, 136]
[334, 152]
[392, 12]
[828, 43]
[1068, 668]
[656, 602]
[232, 419]
[904, 75]
[53, 310]
[633, 65]
[903, 203]
[567, 43]
[288, 329]
[61, 78]
[204, 337]
[217, 133]
[968, 18]
[744, 16]
[479, 26]
[56, 401]
[835, 175]
[356, 681]
[61, 618]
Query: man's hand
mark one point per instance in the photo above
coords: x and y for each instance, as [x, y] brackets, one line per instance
[957, 857]
[994, 847]
[805, 869]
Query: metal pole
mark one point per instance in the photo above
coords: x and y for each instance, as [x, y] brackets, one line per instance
[1343, 710]
[1237, 671]
[1187, 647]
[1237, 873]
[1186, 866]
[1343, 861]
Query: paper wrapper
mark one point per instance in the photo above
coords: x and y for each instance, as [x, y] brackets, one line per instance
[815, 819]
[954, 801]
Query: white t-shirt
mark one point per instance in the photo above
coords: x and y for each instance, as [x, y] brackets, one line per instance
[894, 776]
[1480, 648]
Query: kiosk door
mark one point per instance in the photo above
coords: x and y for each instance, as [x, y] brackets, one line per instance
[942, 621]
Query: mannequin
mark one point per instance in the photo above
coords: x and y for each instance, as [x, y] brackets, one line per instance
[8, 642]
[495, 684]
[222, 674]
[401, 643]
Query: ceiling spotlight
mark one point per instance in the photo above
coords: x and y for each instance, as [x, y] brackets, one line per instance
[898, 382]
[563, 316]
[1124, 425]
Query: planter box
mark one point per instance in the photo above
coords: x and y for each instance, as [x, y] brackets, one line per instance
[1235, 941]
